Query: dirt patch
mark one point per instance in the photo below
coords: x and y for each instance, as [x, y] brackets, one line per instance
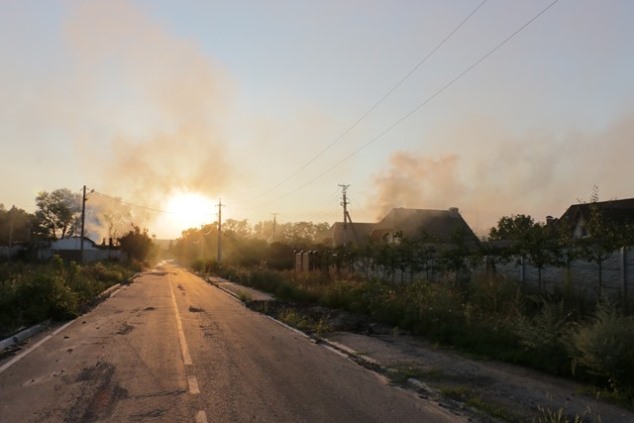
[100, 393]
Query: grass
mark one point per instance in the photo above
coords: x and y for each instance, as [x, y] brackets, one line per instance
[547, 415]
[244, 296]
[470, 397]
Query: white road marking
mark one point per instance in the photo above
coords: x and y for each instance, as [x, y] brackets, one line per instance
[201, 417]
[193, 385]
[187, 359]
[19, 357]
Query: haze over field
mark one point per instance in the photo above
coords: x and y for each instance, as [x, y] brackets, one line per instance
[259, 103]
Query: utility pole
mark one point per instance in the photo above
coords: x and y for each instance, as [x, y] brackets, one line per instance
[344, 203]
[11, 214]
[83, 220]
[219, 230]
[274, 224]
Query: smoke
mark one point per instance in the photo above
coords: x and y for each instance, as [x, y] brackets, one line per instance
[418, 182]
[148, 107]
[489, 172]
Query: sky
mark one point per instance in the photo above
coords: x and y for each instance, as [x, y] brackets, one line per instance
[494, 107]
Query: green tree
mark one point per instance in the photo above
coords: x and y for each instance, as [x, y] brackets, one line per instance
[58, 214]
[15, 225]
[535, 241]
[604, 237]
[137, 244]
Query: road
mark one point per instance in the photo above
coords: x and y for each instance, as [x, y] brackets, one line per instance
[171, 348]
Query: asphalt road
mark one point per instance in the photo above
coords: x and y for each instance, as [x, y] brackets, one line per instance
[172, 348]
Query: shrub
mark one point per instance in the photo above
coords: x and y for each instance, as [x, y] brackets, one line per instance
[45, 296]
[543, 336]
[605, 347]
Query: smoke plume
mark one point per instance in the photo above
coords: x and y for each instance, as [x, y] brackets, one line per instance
[158, 102]
[493, 173]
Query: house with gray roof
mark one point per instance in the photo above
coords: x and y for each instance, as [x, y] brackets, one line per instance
[433, 226]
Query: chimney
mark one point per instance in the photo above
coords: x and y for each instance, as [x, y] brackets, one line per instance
[549, 220]
[109, 242]
[455, 211]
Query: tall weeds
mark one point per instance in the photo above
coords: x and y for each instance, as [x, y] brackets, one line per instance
[31, 293]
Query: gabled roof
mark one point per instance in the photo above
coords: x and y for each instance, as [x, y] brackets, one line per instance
[617, 211]
[439, 226]
[434, 226]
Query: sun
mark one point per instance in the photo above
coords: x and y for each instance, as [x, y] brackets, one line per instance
[190, 210]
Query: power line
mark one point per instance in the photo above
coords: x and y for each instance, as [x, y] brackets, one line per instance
[377, 103]
[118, 200]
[420, 105]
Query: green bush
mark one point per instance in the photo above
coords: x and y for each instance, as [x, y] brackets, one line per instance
[34, 292]
[544, 334]
[605, 347]
[45, 296]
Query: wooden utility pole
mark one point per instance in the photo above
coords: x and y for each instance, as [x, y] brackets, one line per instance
[344, 203]
[83, 220]
[274, 225]
[219, 230]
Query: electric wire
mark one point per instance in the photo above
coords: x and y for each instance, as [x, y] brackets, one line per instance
[420, 105]
[133, 204]
[376, 104]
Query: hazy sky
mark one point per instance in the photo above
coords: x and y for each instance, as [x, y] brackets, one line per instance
[258, 103]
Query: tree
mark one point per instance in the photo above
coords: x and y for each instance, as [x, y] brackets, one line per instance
[604, 237]
[535, 241]
[58, 214]
[15, 225]
[137, 244]
[110, 214]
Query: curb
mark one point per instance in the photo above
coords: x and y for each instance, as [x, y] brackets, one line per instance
[23, 335]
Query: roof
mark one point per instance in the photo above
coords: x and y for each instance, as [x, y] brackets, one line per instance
[72, 243]
[441, 226]
[617, 211]
[437, 226]
[357, 232]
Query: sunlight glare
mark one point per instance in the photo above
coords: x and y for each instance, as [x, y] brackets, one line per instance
[190, 210]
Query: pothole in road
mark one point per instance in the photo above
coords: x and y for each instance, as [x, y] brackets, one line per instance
[125, 329]
[193, 309]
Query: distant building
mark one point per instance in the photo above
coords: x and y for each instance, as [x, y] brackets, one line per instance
[70, 249]
[618, 212]
[433, 226]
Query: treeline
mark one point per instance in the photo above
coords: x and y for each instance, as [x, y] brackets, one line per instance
[266, 243]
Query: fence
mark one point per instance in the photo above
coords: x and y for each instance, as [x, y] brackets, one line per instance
[579, 277]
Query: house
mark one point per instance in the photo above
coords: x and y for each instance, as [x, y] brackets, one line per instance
[70, 249]
[433, 226]
[618, 212]
[344, 233]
